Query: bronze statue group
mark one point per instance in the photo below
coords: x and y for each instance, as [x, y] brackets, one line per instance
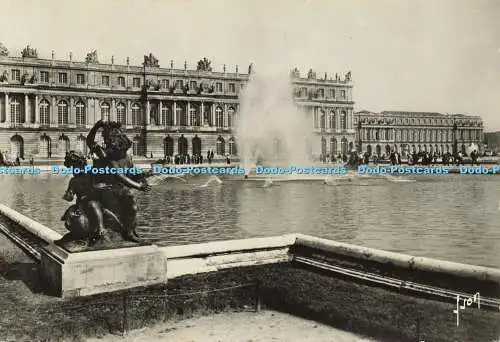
[105, 205]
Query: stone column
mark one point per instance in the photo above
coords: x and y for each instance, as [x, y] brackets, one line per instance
[310, 110]
[202, 114]
[7, 109]
[72, 111]
[337, 118]
[225, 116]
[148, 113]
[349, 116]
[213, 115]
[174, 113]
[53, 114]
[26, 109]
[160, 121]
[95, 112]
[188, 113]
[112, 114]
[88, 120]
[128, 114]
[37, 111]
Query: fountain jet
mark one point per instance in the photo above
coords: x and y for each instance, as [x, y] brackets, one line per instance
[270, 128]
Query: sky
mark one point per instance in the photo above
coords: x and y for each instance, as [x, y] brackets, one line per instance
[411, 55]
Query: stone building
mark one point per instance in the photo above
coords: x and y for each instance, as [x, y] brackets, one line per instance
[47, 106]
[404, 132]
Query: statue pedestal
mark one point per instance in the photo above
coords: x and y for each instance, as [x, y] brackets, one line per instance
[72, 274]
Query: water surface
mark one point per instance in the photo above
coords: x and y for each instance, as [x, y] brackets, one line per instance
[451, 217]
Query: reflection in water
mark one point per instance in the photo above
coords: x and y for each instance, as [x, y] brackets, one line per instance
[450, 217]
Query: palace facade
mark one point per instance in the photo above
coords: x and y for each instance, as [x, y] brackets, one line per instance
[407, 132]
[47, 106]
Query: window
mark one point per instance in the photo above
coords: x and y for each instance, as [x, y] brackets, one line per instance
[166, 115]
[80, 113]
[121, 114]
[192, 85]
[179, 84]
[232, 88]
[220, 146]
[193, 116]
[44, 76]
[322, 119]
[218, 87]
[165, 84]
[80, 79]
[62, 113]
[44, 113]
[343, 121]
[15, 111]
[219, 117]
[333, 124]
[321, 92]
[342, 93]
[230, 117]
[63, 78]
[136, 82]
[332, 93]
[303, 92]
[136, 114]
[180, 118]
[121, 81]
[105, 80]
[105, 112]
[16, 75]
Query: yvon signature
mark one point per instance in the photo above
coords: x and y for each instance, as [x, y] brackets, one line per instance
[466, 303]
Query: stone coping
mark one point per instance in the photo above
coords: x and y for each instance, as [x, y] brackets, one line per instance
[202, 250]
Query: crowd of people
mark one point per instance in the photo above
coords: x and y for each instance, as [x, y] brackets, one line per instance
[395, 158]
[190, 159]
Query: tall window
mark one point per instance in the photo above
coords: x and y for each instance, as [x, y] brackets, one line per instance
[333, 124]
[121, 115]
[62, 113]
[105, 111]
[220, 146]
[136, 82]
[121, 81]
[332, 93]
[342, 93]
[179, 84]
[15, 111]
[80, 113]
[232, 147]
[192, 85]
[193, 116]
[44, 113]
[219, 117]
[230, 118]
[180, 118]
[218, 87]
[232, 88]
[136, 114]
[166, 115]
[322, 119]
[165, 84]
[105, 80]
[343, 120]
